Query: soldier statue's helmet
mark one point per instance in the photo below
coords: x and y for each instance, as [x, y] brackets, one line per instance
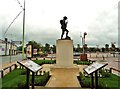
[65, 17]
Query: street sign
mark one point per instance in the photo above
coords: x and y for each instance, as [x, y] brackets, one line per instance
[35, 51]
[29, 51]
[94, 67]
[17, 42]
[30, 65]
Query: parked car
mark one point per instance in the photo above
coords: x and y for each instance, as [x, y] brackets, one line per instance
[76, 54]
[115, 52]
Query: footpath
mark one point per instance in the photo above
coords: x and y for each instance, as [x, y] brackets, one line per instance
[63, 77]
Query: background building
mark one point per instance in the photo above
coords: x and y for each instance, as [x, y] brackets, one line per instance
[7, 47]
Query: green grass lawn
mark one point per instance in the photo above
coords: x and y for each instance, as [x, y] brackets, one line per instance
[12, 79]
[17, 79]
[112, 82]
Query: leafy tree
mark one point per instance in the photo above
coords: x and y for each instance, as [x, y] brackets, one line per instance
[85, 47]
[107, 47]
[78, 48]
[47, 47]
[113, 46]
[54, 49]
[19, 48]
[92, 49]
[74, 48]
[34, 44]
[103, 49]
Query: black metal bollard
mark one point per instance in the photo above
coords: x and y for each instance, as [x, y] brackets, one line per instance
[2, 74]
[110, 70]
[40, 72]
[10, 68]
[15, 66]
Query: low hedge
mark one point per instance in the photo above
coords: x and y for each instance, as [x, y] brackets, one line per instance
[41, 62]
[78, 62]
[84, 82]
[42, 80]
[104, 73]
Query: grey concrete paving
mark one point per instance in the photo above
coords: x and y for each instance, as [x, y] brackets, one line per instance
[64, 77]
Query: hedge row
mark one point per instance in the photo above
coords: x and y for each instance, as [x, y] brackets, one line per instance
[42, 80]
[41, 62]
[78, 62]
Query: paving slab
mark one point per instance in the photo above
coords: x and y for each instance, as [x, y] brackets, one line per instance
[63, 77]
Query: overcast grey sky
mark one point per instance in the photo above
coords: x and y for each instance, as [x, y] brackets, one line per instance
[99, 18]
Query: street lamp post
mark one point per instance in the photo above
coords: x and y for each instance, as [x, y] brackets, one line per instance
[83, 56]
[10, 50]
[84, 42]
[6, 46]
[23, 31]
[80, 39]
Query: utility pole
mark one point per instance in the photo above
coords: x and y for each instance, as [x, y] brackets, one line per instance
[6, 46]
[80, 39]
[10, 50]
[84, 42]
[23, 31]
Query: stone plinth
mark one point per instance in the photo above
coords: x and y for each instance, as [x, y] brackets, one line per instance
[64, 53]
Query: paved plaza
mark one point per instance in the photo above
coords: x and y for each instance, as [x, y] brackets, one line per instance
[68, 77]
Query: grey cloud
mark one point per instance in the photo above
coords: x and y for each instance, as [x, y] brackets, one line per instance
[104, 29]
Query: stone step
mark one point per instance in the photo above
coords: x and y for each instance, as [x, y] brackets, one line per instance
[43, 87]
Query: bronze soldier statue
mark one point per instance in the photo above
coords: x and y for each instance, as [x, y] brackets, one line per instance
[63, 23]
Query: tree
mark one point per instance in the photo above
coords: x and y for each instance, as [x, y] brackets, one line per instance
[47, 47]
[54, 49]
[78, 48]
[34, 44]
[74, 50]
[92, 49]
[107, 47]
[19, 48]
[103, 49]
[113, 46]
[85, 47]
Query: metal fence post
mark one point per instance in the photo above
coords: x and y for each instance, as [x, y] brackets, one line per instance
[2, 74]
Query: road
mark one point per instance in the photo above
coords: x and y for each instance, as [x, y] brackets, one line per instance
[7, 59]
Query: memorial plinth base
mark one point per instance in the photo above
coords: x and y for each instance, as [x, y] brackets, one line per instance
[56, 67]
[59, 66]
[64, 53]
[83, 57]
[64, 69]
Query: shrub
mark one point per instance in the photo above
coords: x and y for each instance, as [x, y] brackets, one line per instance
[104, 74]
[86, 83]
[23, 72]
[83, 81]
[42, 80]
[82, 62]
[21, 85]
[41, 62]
[102, 85]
